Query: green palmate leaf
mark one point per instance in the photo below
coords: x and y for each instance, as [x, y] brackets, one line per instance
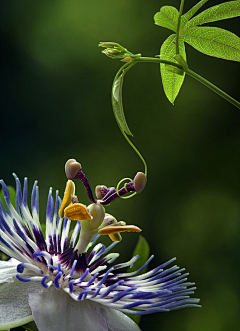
[214, 42]
[167, 17]
[220, 12]
[117, 105]
[186, 17]
[12, 196]
[141, 249]
[172, 81]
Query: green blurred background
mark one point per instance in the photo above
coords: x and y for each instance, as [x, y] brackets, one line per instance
[56, 105]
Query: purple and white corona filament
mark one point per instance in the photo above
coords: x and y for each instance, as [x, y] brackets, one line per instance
[76, 270]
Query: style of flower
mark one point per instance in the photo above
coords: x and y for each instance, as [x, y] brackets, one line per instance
[58, 284]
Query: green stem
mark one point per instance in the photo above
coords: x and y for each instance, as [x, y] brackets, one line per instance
[213, 87]
[178, 26]
[157, 60]
[195, 76]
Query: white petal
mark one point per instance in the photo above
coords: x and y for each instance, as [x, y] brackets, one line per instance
[55, 310]
[14, 306]
[8, 269]
[117, 321]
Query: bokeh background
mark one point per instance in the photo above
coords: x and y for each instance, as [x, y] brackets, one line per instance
[55, 105]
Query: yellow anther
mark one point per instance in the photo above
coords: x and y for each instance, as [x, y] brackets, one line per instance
[77, 212]
[111, 229]
[69, 190]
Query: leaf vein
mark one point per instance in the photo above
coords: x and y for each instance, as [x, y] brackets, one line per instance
[215, 42]
[168, 19]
